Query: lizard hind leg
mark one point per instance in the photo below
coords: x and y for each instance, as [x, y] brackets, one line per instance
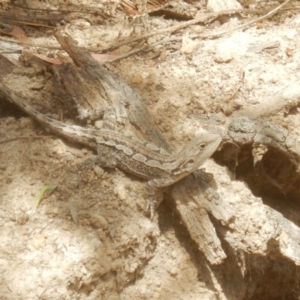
[105, 157]
[101, 160]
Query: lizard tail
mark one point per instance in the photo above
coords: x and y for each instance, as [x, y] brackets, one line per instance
[73, 132]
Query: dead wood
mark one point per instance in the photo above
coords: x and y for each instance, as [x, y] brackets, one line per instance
[93, 88]
[283, 100]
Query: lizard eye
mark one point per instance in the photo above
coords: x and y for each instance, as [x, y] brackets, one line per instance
[202, 146]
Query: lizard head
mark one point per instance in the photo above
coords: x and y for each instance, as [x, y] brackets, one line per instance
[191, 157]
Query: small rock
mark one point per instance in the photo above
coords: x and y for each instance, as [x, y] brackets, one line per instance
[136, 79]
[88, 176]
[224, 52]
[98, 171]
[219, 5]
[188, 45]
[39, 241]
[174, 271]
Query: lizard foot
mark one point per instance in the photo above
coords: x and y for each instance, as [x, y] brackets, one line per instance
[154, 198]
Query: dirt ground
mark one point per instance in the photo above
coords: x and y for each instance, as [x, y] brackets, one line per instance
[91, 238]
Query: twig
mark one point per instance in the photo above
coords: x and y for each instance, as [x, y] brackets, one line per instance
[144, 48]
[181, 26]
[2, 38]
[171, 28]
[269, 14]
[201, 19]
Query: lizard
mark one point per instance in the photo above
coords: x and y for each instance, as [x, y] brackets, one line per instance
[142, 159]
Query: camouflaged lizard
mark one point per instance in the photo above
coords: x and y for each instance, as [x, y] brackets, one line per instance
[142, 159]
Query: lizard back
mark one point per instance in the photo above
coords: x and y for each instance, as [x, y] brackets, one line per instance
[142, 159]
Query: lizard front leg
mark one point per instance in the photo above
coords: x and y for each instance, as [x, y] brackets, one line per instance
[154, 187]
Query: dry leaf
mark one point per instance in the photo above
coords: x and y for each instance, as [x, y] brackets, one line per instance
[289, 52]
[18, 33]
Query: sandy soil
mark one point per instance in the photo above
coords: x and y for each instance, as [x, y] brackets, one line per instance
[91, 239]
